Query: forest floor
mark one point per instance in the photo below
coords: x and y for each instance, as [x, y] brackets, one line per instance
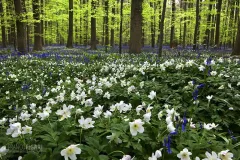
[109, 105]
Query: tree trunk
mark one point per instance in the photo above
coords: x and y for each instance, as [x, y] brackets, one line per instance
[4, 44]
[196, 31]
[112, 29]
[136, 27]
[172, 23]
[37, 26]
[208, 30]
[236, 49]
[143, 37]
[21, 27]
[42, 22]
[159, 22]
[162, 27]
[106, 24]
[121, 27]
[85, 3]
[70, 25]
[218, 18]
[152, 4]
[185, 26]
[93, 26]
[80, 23]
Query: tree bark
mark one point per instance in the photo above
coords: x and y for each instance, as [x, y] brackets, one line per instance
[37, 26]
[196, 31]
[21, 27]
[106, 24]
[42, 22]
[70, 25]
[136, 27]
[93, 26]
[162, 27]
[218, 18]
[152, 4]
[4, 43]
[85, 18]
[112, 29]
[208, 30]
[236, 49]
[121, 27]
[185, 26]
[172, 23]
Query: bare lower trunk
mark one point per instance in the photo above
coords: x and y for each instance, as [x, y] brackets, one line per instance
[136, 27]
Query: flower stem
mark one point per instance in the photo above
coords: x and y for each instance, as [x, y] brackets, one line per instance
[80, 135]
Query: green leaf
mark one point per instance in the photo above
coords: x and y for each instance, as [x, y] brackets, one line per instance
[30, 156]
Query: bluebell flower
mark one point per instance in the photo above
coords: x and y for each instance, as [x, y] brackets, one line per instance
[185, 121]
[25, 87]
[174, 132]
[200, 86]
[209, 60]
[44, 91]
[169, 145]
[231, 135]
[195, 94]
[201, 127]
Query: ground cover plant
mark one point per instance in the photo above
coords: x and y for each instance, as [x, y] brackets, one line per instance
[73, 104]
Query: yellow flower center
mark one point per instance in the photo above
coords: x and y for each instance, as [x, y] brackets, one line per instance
[70, 151]
[135, 126]
[184, 155]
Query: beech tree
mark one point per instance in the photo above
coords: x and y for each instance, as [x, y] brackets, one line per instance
[196, 31]
[4, 44]
[121, 26]
[218, 20]
[136, 27]
[93, 26]
[172, 23]
[37, 26]
[162, 27]
[21, 26]
[70, 25]
[236, 49]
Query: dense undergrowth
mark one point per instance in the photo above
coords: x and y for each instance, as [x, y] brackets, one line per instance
[111, 105]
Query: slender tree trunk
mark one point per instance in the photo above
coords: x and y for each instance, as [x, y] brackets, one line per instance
[85, 3]
[136, 27]
[218, 18]
[185, 26]
[172, 23]
[37, 26]
[212, 31]
[4, 44]
[152, 4]
[231, 24]
[121, 27]
[103, 32]
[13, 38]
[236, 49]
[80, 28]
[21, 27]
[159, 22]
[42, 23]
[208, 30]
[112, 29]
[162, 27]
[106, 24]
[93, 26]
[28, 28]
[196, 31]
[70, 25]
